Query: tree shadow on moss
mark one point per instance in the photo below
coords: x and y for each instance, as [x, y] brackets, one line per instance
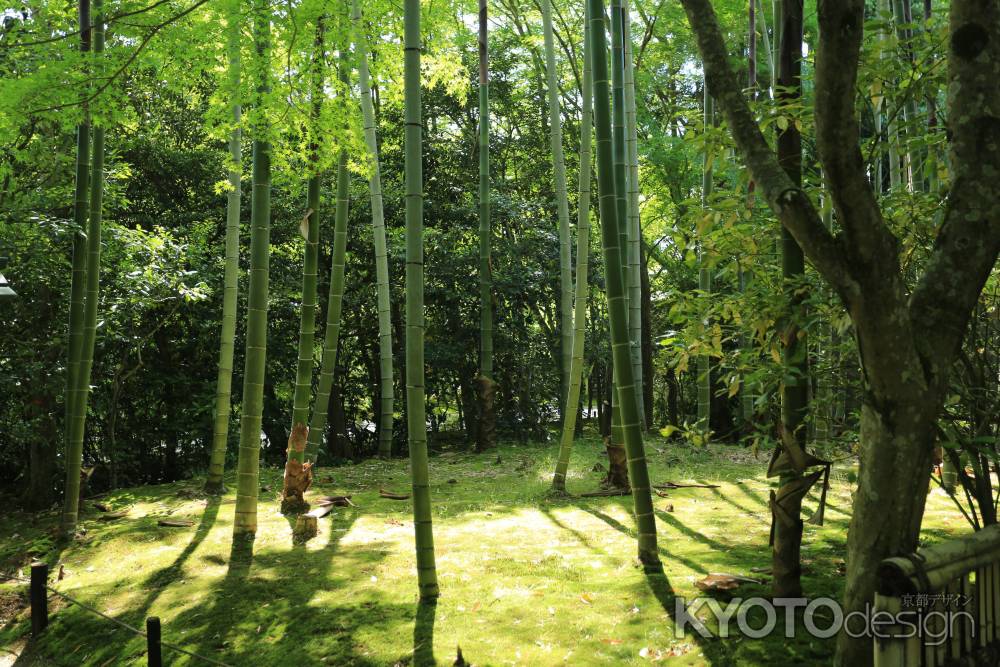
[625, 530]
[423, 634]
[714, 650]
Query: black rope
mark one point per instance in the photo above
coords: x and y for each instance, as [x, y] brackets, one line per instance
[141, 633]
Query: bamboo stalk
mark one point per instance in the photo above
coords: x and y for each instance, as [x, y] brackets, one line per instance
[562, 208]
[81, 210]
[634, 226]
[415, 400]
[227, 339]
[386, 397]
[615, 287]
[582, 266]
[248, 465]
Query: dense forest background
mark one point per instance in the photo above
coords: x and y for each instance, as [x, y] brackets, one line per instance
[154, 376]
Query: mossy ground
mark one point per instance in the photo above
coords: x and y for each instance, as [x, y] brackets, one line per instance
[526, 578]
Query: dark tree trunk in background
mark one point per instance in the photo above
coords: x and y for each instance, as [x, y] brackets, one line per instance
[786, 504]
[338, 443]
[673, 390]
[273, 425]
[38, 494]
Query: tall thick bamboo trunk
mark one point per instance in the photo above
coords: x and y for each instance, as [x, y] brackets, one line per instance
[334, 307]
[562, 208]
[386, 398]
[415, 406]
[617, 456]
[298, 475]
[582, 259]
[88, 320]
[227, 342]
[248, 465]
[81, 204]
[615, 285]
[634, 226]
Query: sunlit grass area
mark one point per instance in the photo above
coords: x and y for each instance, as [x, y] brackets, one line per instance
[526, 578]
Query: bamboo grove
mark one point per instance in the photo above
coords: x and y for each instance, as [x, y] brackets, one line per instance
[377, 217]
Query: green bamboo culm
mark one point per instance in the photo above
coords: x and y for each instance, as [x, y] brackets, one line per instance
[247, 470]
[704, 363]
[227, 343]
[415, 407]
[562, 207]
[334, 306]
[386, 398]
[634, 227]
[74, 451]
[615, 286]
[620, 185]
[81, 210]
[310, 262]
[582, 289]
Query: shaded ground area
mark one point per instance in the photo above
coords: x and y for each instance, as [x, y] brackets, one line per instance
[526, 579]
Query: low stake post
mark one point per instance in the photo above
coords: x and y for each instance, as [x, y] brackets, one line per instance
[153, 641]
[39, 599]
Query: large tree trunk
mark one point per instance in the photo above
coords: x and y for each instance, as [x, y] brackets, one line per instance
[486, 408]
[81, 375]
[81, 209]
[897, 445]
[787, 507]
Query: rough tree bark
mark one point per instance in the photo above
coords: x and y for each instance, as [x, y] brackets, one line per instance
[485, 421]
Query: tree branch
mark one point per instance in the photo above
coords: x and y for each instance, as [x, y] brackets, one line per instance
[841, 24]
[968, 243]
[789, 202]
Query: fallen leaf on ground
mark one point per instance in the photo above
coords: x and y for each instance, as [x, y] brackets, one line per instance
[723, 582]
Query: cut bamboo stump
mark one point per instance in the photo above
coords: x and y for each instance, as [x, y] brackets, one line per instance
[306, 527]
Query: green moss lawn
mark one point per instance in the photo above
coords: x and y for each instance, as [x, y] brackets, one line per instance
[526, 579]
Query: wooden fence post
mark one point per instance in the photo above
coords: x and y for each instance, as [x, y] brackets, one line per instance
[39, 598]
[155, 659]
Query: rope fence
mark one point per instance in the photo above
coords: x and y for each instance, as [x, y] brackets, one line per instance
[38, 585]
